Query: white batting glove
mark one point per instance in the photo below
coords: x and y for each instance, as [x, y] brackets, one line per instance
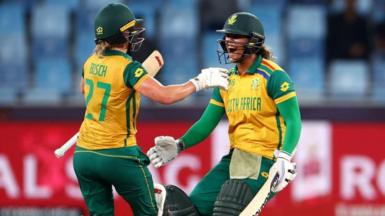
[285, 169]
[164, 151]
[211, 77]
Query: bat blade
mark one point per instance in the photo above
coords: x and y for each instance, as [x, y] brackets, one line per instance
[153, 63]
[260, 199]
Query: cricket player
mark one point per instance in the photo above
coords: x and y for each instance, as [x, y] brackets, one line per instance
[107, 153]
[264, 126]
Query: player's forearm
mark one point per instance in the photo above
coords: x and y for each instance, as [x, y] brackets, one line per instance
[174, 93]
[204, 126]
[291, 114]
[157, 92]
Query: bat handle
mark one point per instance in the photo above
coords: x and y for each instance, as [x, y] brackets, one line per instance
[59, 152]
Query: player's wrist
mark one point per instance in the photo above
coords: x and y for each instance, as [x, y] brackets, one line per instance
[195, 81]
[283, 155]
[180, 146]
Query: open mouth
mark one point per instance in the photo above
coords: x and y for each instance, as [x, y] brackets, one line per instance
[231, 50]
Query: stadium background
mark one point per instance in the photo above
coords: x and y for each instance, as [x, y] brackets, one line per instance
[340, 159]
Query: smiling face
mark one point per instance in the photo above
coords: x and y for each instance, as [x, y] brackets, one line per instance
[235, 46]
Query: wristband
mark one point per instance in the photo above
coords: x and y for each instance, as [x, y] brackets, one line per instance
[195, 81]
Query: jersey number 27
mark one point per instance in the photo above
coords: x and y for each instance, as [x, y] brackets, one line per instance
[104, 86]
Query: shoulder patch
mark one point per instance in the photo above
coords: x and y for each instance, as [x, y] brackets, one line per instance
[139, 72]
[284, 86]
[133, 73]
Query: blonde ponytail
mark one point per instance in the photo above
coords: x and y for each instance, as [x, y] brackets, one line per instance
[100, 47]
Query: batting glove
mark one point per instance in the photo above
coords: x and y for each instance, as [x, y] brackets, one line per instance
[165, 150]
[285, 169]
[211, 77]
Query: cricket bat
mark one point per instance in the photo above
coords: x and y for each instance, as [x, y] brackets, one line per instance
[153, 63]
[59, 152]
[260, 199]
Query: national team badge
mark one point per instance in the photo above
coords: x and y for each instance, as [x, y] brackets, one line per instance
[99, 30]
[232, 20]
[254, 84]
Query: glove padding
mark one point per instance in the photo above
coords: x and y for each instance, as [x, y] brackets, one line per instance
[211, 77]
[164, 151]
[285, 169]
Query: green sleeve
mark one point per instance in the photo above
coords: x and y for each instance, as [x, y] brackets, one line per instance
[133, 73]
[279, 84]
[289, 110]
[205, 125]
[216, 96]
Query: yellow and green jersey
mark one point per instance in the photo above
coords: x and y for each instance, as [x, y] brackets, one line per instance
[250, 103]
[112, 103]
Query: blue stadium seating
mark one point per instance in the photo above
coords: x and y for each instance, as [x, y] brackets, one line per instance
[379, 81]
[84, 20]
[295, 30]
[270, 16]
[146, 10]
[12, 33]
[306, 47]
[298, 24]
[377, 13]
[349, 78]
[363, 6]
[308, 77]
[74, 99]
[97, 4]
[69, 4]
[26, 4]
[155, 3]
[306, 39]
[50, 20]
[84, 46]
[176, 72]
[12, 19]
[50, 31]
[14, 48]
[184, 3]
[47, 47]
[13, 76]
[74, 96]
[278, 3]
[274, 42]
[178, 22]
[209, 50]
[308, 2]
[180, 56]
[42, 97]
[53, 75]
[8, 96]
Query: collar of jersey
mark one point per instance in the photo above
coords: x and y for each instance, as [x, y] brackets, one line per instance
[253, 68]
[110, 52]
